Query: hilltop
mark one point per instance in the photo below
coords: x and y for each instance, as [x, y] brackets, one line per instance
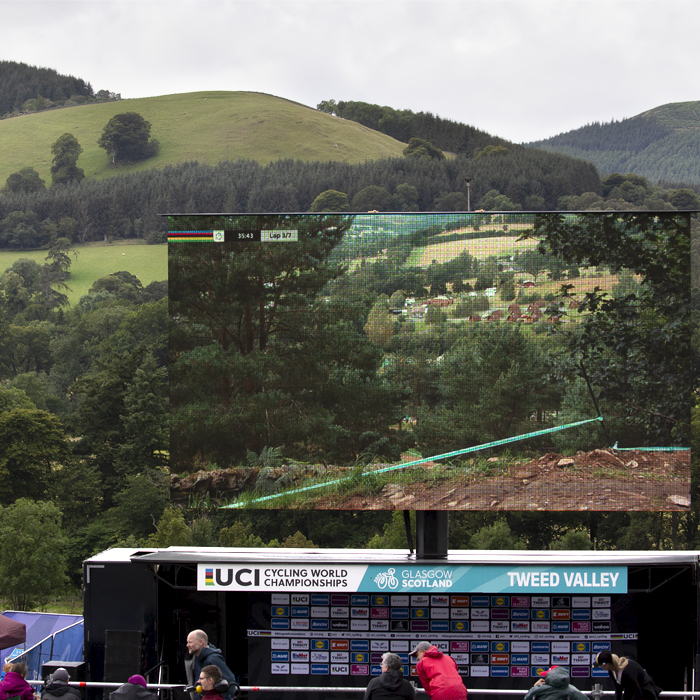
[661, 144]
[207, 127]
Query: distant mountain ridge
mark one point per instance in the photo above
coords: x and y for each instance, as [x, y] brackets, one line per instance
[661, 144]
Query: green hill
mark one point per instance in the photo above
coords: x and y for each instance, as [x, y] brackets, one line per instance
[90, 262]
[662, 144]
[208, 127]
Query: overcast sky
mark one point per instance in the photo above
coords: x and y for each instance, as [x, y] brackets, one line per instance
[519, 69]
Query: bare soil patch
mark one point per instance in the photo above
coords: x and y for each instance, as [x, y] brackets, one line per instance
[601, 480]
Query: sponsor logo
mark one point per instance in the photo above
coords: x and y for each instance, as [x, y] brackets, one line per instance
[387, 579]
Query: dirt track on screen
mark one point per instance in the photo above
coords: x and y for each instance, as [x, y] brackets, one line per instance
[600, 480]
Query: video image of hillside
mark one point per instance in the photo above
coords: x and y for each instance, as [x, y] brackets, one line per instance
[479, 361]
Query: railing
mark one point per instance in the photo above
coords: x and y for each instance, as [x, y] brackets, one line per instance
[595, 693]
[56, 646]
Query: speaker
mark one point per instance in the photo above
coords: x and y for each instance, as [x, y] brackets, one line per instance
[76, 669]
[123, 654]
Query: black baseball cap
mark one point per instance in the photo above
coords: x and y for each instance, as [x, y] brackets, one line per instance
[604, 657]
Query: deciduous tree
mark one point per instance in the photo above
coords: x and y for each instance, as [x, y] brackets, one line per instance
[33, 558]
[127, 136]
[31, 441]
[66, 151]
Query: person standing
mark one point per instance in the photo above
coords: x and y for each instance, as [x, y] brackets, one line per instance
[58, 688]
[438, 673]
[556, 685]
[391, 685]
[204, 654]
[631, 681]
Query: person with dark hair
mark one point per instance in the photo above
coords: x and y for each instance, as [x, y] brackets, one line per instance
[556, 685]
[438, 673]
[391, 685]
[57, 688]
[212, 685]
[15, 684]
[203, 654]
[631, 681]
[135, 688]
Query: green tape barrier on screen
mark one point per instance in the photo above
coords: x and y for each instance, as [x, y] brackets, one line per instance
[403, 465]
[649, 449]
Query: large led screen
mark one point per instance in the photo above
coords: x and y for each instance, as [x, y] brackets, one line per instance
[479, 361]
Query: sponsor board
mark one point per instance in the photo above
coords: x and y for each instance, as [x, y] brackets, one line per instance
[417, 579]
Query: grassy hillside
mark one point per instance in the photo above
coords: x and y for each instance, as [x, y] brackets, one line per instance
[660, 144]
[205, 126]
[148, 262]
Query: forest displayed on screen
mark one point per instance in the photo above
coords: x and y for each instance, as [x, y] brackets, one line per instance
[481, 361]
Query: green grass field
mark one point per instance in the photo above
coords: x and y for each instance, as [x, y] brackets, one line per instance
[208, 127]
[148, 262]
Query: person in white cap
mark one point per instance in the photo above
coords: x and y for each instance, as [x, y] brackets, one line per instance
[438, 673]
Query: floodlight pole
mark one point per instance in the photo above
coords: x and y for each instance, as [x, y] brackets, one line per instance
[431, 534]
[468, 180]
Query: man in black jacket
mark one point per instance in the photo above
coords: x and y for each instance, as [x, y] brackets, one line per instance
[203, 654]
[58, 688]
[391, 685]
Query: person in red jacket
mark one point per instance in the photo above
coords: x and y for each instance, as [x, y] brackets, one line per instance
[438, 673]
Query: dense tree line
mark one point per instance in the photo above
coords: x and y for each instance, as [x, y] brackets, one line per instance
[628, 136]
[25, 88]
[641, 145]
[404, 125]
[83, 405]
[130, 206]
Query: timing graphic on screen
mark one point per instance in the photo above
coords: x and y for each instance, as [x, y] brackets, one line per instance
[443, 361]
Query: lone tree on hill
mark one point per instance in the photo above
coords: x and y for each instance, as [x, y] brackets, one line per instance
[127, 137]
[66, 151]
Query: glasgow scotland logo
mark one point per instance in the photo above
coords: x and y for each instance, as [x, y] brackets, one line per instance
[386, 579]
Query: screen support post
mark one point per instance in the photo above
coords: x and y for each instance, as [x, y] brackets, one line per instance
[431, 534]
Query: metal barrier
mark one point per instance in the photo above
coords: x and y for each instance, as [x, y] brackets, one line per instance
[596, 692]
[57, 646]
